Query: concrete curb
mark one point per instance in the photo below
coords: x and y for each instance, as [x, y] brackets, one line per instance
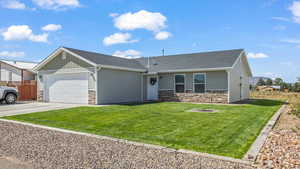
[252, 153]
[149, 146]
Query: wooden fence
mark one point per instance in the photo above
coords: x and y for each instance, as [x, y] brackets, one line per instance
[27, 89]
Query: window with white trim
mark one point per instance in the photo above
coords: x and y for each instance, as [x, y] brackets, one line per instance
[199, 83]
[179, 83]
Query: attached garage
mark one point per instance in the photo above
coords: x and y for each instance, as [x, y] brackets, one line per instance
[81, 77]
[67, 88]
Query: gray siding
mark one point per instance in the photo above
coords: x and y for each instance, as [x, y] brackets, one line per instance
[70, 62]
[234, 89]
[145, 87]
[239, 75]
[10, 73]
[246, 81]
[215, 80]
[119, 86]
[166, 81]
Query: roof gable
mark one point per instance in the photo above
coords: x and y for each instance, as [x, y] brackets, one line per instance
[107, 60]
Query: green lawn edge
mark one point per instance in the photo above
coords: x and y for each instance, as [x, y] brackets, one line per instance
[238, 153]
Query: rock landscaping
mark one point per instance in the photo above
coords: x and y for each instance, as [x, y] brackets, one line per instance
[282, 148]
[46, 148]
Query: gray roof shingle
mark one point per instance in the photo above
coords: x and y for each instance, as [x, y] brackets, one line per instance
[205, 60]
[102, 59]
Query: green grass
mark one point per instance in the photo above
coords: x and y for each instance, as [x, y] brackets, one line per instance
[229, 132]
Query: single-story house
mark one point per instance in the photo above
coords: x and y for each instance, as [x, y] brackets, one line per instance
[16, 71]
[268, 88]
[76, 76]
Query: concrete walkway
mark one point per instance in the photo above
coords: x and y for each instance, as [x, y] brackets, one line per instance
[31, 107]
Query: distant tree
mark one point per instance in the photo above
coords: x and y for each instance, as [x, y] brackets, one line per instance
[284, 86]
[278, 81]
[296, 87]
[260, 82]
[269, 82]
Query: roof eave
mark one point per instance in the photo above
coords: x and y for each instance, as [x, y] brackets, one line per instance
[196, 70]
[122, 68]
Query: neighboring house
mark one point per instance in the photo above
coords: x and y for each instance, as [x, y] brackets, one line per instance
[268, 88]
[75, 76]
[16, 71]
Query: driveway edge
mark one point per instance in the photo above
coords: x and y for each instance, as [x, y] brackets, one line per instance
[255, 148]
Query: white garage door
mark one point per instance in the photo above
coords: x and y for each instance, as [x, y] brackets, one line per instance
[67, 88]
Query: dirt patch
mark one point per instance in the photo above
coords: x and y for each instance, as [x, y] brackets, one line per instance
[13, 163]
[288, 121]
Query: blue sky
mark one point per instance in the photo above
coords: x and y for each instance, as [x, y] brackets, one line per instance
[267, 29]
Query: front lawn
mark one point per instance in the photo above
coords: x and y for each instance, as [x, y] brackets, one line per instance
[228, 132]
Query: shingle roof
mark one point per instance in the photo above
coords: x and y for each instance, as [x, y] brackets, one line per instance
[20, 64]
[102, 59]
[205, 60]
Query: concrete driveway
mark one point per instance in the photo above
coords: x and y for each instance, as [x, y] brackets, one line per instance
[31, 107]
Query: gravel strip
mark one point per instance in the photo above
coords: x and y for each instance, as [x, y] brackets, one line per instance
[281, 150]
[53, 149]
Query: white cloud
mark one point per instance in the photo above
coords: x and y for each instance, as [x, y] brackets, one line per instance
[129, 54]
[51, 27]
[39, 38]
[113, 15]
[257, 55]
[152, 21]
[279, 28]
[295, 9]
[281, 18]
[57, 4]
[293, 41]
[163, 35]
[12, 54]
[23, 32]
[12, 4]
[118, 38]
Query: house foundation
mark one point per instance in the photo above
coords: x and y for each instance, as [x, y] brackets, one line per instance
[188, 96]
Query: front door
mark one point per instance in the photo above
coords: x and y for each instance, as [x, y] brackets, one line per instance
[152, 88]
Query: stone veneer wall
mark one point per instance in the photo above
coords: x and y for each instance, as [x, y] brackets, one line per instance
[188, 96]
[92, 97]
